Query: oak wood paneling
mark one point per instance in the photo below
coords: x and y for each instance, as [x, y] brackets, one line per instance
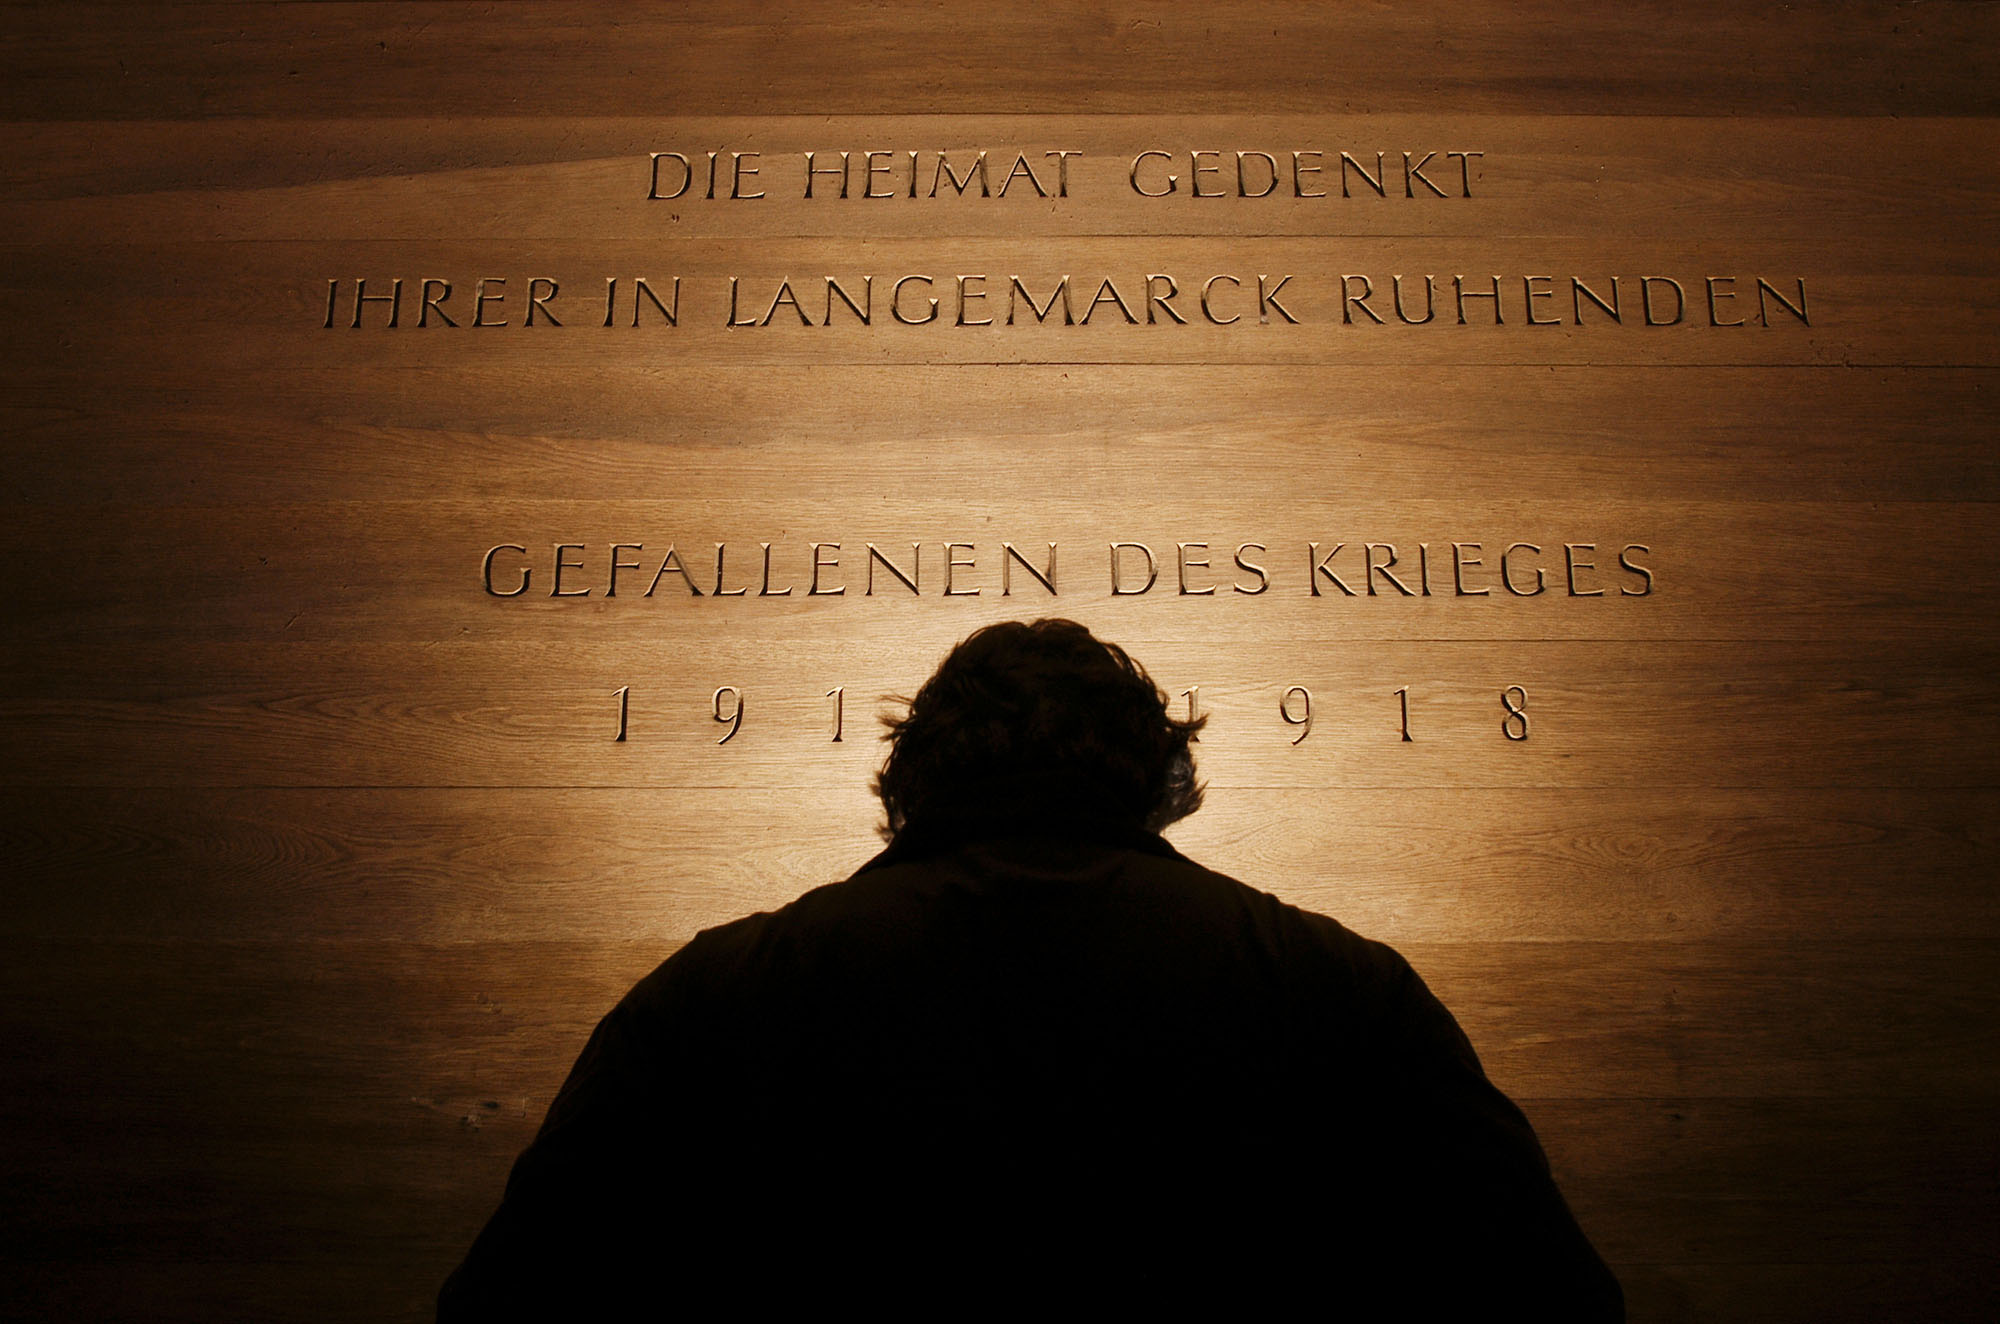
[249, 306]
[321, 861]
[286, 1104]
[505, 864]
[1659, 715]
[1575, 1020]
[381, 572]
[586, 181]
[1251, 435]
[560, 58]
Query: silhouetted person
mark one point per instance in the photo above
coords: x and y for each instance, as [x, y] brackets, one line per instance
[1029, 1053]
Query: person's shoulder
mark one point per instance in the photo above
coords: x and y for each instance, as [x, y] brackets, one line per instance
[1307, 934]
[708, 957]
[720, 950]
[889, 904]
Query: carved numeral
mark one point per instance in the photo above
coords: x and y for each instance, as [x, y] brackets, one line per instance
[734, 717]
[1295, 706]
[624, 709]
[1304, 721]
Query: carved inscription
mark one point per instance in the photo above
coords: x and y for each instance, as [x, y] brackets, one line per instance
[1303, 719]
[997, 298]
[1439, 569]
[853, 174]
[1433, 293]
[733, 719]
[729, 703]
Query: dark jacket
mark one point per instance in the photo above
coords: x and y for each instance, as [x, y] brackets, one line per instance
[1014, 1051]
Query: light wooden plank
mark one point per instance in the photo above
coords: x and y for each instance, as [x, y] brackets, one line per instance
[1856, 1291]
[517, 864]
[377, 1141]
[502, 1021]
[238, 307]
[573, 182]
[1072, 57]
[1249, 435]
[412, 571]
[1600, 714]
[1715, 1182]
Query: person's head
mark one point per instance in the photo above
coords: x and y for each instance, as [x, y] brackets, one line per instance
[1040, 710]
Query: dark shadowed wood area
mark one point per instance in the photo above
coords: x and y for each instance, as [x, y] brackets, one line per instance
[1635, 360]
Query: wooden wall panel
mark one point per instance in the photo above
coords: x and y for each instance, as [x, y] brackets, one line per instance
[376, 573]
[560, 57]
[243, 308]
[322, 861]
[514, 713]
[1761, 179]
[1633, 434]
[475, 863]
[1818, 1092]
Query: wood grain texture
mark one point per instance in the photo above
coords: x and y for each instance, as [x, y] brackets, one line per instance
[251, 306]
[1569, 1020]
[833, 57]
[411, 572]
[1251, 434]
[321, 860]
[586, 181]
[1664, 716]
[313, 1128]
[528, 863]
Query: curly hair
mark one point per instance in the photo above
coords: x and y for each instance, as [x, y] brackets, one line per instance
[1042, 703]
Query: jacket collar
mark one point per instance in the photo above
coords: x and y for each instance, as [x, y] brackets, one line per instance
[1052, 807]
